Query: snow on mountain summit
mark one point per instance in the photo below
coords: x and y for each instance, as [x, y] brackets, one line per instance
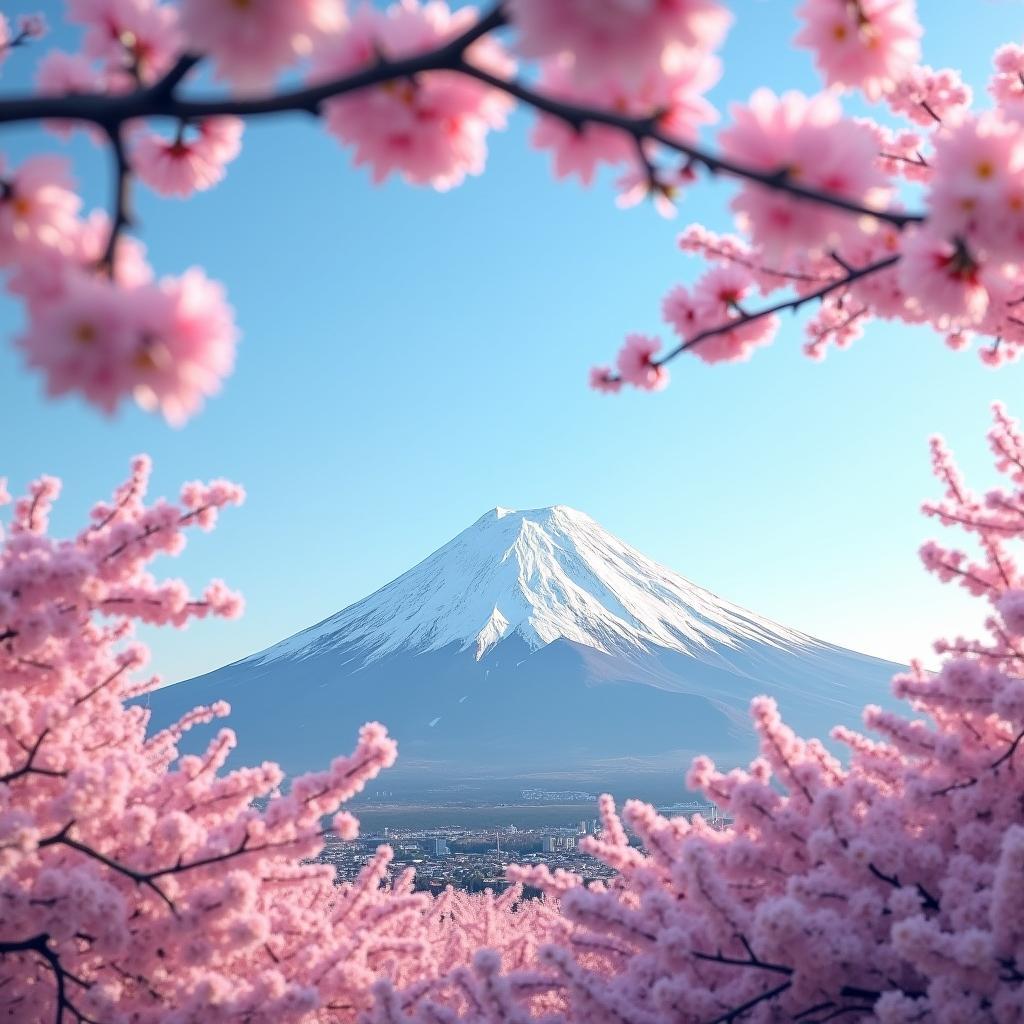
[542, 575]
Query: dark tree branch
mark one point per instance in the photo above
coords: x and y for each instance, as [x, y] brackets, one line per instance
[162, 100]
[148, 878]
[738, 1011]
[929, 901]
[170, 82]
[120, 213]
[794, 304]
[40, 945]
[753, 961]
[63, 838]
[29, 768]
[99, 686]
[1010, 751]
[996, 764]
[839, 1011]
[644, 128]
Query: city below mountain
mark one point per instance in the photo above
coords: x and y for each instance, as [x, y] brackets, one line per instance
[534, 651]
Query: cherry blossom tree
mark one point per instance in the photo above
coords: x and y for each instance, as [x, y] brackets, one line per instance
[137, 885]
[889, 887]
[415, 89]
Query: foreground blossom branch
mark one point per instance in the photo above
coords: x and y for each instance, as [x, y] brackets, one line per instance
[139, 884]
[641, 350]
[886, 888]
[163, 100]
[415, 89]
[648, 129]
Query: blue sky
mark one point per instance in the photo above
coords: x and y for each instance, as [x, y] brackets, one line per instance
[411, 359]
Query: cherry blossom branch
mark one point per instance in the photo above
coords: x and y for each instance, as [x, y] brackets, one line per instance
[111, 112]
[994, 766]
[738, 1011]
[647, 129]
[120, 214]
[928, 900]
[40, 944]
[29, 768]
[794, 304]
[161, 99]
[790, 304]
[62, 838]
[847, 991]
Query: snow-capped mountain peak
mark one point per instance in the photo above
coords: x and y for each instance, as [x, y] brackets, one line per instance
[541, 574]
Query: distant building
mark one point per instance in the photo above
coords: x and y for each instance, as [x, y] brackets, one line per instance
[557, 844]
[441, 848]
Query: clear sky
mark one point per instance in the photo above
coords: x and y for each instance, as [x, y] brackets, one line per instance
[412, 359]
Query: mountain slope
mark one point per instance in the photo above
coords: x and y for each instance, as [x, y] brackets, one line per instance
[533, 645]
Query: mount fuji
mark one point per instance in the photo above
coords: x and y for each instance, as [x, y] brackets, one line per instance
[535, 648]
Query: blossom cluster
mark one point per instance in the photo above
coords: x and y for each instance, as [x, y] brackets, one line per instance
[954, 267]
[140, 885]
[101, 324]
[416, 88]
[884, 886]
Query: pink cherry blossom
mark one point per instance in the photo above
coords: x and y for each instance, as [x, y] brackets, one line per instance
[167, 345]
[928, 97]
[432, 130]
[837, 322]
[825, 205]
[977, 189]
[1002, 322]
[681, 311]
[32, 26]
[135, 39]
[717, 300]
[902, 153]
[42, 274]
[635, 366]
[602, 379]
[808, 141]
[678, 95]
[61, 73]
[186, 344]
[943, 279]
[1007, 84]
[662, 187]
[181, 166]
[712, 304]
[38, 206]
[864, 44]
[803, 271]
[623, 37]
[252, 43]
[83, 342]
